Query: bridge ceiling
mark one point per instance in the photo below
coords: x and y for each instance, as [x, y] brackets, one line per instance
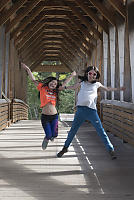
[59, 31]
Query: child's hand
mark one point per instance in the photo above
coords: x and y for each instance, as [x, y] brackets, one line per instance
[73, 73]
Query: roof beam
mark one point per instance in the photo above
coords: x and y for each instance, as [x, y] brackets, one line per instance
[21, 15]
[31, 41]
[52, 68]
[8, 13]
[104, 11]
[77, 42]
[28, 19]
[66, 59]
[85, 21]
[119, 7]
[31, 34]
[84, 31]
[30, 27]
[3, 3]
[93, 16]
[80, 36]
[73, 45]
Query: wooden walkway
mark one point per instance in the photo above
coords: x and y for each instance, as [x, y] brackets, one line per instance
[86, 172]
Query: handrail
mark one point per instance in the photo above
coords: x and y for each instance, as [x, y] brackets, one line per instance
[118, 119]
[123, 104]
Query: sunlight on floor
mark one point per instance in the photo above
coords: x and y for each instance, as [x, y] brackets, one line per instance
[22, 147]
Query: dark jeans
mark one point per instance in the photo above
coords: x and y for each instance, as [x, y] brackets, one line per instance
[50, 125]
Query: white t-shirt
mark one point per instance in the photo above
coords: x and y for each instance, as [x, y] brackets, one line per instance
[87, 95]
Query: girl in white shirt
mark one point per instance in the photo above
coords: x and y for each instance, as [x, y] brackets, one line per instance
[86, 108]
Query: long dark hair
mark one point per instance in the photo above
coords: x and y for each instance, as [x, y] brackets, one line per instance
[46, 82]
[85, 77]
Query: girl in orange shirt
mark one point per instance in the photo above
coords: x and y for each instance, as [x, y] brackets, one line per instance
[49, 90]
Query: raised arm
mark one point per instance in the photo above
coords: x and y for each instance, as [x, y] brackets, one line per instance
[67, 81]
[112, 89]
[29, 73]
[73, 87]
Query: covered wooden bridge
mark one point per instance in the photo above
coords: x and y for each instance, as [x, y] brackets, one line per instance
[72, 34]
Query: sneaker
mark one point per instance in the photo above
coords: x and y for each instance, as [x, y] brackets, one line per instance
[64, 150]
[112, 154]
[52, 139]
[44, 143]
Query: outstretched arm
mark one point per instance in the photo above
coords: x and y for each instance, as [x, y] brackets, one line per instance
[67, 81]
[112, 89]
[73, 87]
[29, 73]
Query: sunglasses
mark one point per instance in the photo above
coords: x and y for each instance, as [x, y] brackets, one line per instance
[91, 73]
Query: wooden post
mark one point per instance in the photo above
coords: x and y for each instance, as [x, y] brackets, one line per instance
[117, 68]
[109, 69]
[105, 61]
[131, 43]
[121, 38]
[6, 64]
[2, 35]
[112, 57]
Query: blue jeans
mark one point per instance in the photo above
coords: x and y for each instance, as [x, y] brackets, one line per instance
[85, 113]
[50, 125]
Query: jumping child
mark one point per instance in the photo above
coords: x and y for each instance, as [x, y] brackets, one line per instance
[86, 108]
[49, 89]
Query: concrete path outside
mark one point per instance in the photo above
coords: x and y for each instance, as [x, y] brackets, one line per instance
[86, 172]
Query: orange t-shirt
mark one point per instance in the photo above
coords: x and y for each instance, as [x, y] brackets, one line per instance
[46, 95]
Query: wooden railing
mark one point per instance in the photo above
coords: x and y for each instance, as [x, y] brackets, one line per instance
[12, 112]
[4, 114]
[118, 119]
[19, 110]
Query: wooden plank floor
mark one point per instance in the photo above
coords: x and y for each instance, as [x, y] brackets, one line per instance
[85, 172]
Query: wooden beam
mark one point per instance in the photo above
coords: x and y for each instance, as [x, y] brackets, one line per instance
[21, 15]
[77, 43]
[52, 68]
[52, 39]
[37, 63]
[65, 59]
[31, 45]
[56, 12]
[3, 3]
[119, 7]
[71, 52]
[80, 27]
[39, 34]
[80, 36]
[40, 44]
[70, 56]
[8, 13]
[85, 21]
[31, 34]
[93, 16]
[104, 11]
[28, 19]
[26, 31]
[32, 53]
[73, 45]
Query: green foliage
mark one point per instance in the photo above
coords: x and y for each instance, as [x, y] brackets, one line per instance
[66, 101]
[33, 100]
